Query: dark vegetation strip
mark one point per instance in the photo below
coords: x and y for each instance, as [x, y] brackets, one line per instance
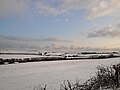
[21, 53]
[99, 52]
[49, 58]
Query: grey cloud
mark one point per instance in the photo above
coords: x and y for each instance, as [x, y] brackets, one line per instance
[108, 31]
[48, 44]
[102, 8]
[49, 39]
[45, 8]
[17, 42]
[63, 7]
[12, 42]
[53, 39]
[11, 7]
[94, 8]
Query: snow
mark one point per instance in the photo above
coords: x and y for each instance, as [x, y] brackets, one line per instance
[7, 56]
[54, 54]
[27, 75]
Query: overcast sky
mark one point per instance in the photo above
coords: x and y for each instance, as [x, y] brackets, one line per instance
[59, 23]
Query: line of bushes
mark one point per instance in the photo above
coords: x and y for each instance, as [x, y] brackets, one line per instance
[34, 59]
[106, 78]
[22, 53]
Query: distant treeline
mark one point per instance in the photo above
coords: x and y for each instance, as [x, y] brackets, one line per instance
[9, 53]
[22, 53]
[49, 58]
[99, 52]
[34, 59]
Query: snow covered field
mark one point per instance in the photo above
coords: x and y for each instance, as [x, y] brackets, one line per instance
[27, 75]
[22, 56]
[18, 56]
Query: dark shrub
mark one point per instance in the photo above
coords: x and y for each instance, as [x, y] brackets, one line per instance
[1, 61]
[10, 61]
[26, 60]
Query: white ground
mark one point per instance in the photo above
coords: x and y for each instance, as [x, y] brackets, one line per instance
[27, 75]
[5, 56]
